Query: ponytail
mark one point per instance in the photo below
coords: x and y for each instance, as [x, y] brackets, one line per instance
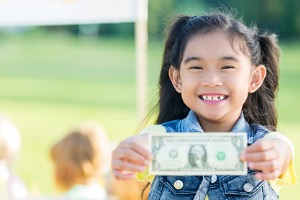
[171, 105]
[259, 107]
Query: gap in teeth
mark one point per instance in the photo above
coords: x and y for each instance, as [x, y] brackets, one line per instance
[213, 98]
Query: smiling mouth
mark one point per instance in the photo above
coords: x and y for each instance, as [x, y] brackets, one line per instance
[213, 97]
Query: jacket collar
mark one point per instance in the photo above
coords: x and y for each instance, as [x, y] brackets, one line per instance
[191, 124]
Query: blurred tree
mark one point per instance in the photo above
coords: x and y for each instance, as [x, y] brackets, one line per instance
[279, 16]
[161, 12]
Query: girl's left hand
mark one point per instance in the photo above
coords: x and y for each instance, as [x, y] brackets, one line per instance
[271, 156]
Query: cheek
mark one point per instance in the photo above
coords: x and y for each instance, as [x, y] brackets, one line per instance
[188, 88]
[191, 80]
[241, 92]
[240, 86]
[241, 81]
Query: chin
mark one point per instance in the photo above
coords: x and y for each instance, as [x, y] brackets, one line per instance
[212, 117]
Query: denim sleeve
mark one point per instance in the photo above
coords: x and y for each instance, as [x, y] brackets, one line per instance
[259, 132]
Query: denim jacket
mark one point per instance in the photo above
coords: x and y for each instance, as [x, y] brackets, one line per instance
[215, 187]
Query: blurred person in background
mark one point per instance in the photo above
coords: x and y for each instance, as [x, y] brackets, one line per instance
[11, 187]
[81, 162]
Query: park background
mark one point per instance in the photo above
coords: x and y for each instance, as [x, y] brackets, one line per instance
[55, 77]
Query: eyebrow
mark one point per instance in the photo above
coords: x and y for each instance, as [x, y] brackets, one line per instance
[232, 58]
[191, 59]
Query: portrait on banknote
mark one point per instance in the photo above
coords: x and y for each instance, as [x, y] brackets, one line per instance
[197, 156]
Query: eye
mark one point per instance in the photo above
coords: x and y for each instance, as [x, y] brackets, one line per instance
[228, 67]
[196, 67]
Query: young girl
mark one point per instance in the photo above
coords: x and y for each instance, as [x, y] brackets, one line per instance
[80, 160]
[217, 75]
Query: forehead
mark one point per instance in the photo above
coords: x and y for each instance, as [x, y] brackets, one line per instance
[214, 44]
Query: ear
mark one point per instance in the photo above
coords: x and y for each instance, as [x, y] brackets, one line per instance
[257, 78]
[175, 78]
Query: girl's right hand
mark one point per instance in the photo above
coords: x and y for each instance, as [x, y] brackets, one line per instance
[130, 156]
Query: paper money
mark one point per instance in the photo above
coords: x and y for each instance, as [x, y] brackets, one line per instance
[197, 153]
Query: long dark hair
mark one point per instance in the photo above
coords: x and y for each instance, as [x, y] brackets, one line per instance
[259, 107]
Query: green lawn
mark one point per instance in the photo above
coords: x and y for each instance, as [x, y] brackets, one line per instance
[49, 83]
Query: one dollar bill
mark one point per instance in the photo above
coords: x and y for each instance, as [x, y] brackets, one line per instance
[197, 154]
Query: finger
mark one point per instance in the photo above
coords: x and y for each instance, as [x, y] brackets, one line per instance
[261, 145]
[129, 155]
[120, 175]
[266, 155]
[129, 144]
[126, 166]
[268, 175]
[265, 166]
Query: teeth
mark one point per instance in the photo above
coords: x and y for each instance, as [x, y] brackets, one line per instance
[213, 98]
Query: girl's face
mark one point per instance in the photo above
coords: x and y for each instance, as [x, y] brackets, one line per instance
[214, 80]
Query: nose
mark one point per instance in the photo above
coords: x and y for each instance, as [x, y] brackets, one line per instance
[212, 79]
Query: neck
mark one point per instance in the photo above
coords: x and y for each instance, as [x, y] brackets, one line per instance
[220, 125]
[209, 126]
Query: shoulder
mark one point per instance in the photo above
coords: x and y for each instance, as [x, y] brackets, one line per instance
[170, 126]
[171, 123]
[259, 131]
[157, 128]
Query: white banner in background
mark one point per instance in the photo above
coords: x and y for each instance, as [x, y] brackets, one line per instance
[60, 12]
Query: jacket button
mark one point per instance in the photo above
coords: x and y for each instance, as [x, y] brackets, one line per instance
[213, 178]
[178, 184]
[248, 187]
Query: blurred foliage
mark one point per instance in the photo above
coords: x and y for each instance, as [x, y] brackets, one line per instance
[279, 16]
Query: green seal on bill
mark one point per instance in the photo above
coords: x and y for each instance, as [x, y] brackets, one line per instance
[221, 155]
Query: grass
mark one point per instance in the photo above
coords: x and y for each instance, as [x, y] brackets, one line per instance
[51, 82]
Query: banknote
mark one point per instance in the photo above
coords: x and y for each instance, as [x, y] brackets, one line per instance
[197, 153]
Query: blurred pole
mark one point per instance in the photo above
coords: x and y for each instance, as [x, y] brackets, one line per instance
[141, 40]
